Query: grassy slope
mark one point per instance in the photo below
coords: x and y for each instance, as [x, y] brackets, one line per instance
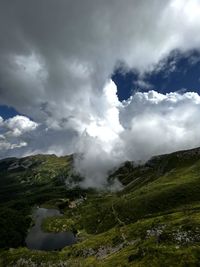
[24, 183]
[33, 177]
[154, 221]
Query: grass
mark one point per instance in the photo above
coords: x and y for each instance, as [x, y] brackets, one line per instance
[154, 221]
[147, 242]
[58, 224]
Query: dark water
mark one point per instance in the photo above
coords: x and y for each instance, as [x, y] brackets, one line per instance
[37, 239]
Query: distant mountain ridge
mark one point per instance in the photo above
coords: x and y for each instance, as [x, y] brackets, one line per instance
[51, 164]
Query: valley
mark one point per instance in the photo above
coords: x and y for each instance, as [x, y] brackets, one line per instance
[153, 221]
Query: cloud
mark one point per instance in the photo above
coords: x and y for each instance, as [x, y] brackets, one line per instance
[19, 125]
[12, 132]
[142, 85]
[147, 124]
[150, 124]
[56, 59]
[63, 52]
[155, 123]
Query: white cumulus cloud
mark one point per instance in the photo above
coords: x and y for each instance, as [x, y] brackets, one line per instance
[19, 125]
[12, 132]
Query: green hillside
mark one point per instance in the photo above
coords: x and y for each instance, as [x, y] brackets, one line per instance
[153, 221]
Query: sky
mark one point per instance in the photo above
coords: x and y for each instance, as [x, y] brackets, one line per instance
[107, 81]
[179, 72]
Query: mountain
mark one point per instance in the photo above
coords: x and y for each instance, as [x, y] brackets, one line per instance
[153, 221]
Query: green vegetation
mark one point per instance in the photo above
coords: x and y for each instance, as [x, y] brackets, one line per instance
[153, 221]
[23, 184]
[13, 225]
[58, 224]
[167, 240]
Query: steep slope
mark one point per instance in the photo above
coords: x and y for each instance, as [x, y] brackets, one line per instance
[27, 182]
[33, 176]
[153, 221]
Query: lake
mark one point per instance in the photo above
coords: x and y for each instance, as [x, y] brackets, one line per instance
[39, 240]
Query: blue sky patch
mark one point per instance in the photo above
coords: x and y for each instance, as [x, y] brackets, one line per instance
[7, 112]
[178, 72]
